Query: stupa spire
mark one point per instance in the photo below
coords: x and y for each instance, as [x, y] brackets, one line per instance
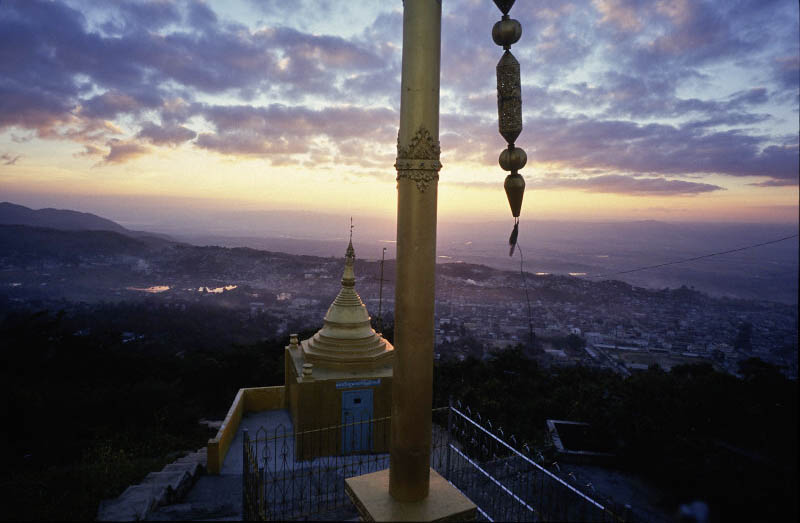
[347, 336]
[349, 276]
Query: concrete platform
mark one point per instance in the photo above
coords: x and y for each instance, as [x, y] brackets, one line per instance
[645, 500]
[370, 495]
[258, 425]
[219, 497]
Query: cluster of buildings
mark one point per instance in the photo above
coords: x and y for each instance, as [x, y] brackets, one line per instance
[479, 310]
[620, 326]
[573, 320]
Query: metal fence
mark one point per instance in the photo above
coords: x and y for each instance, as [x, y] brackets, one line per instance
[277, 485]
[504, 482]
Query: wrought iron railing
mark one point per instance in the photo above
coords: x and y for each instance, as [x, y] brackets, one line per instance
[290, 475]
[301, 475]
[505, 482]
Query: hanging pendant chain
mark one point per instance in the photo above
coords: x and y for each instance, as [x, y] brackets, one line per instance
[505, 33]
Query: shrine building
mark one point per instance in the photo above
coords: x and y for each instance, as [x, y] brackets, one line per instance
[340, 377]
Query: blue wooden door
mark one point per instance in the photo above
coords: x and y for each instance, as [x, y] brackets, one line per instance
[356, 413]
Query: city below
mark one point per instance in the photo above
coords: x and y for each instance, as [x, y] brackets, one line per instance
[557, 320]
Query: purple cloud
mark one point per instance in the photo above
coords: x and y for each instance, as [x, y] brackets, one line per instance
[132, 15]
[215, 57]
[113, 103]
[630, 185]
[611, 184]
[680, 34]
[79, 74]
[249, 144]
[121, 152]
[584, 143]
[775, 183]
[33, 109]
[7, 159]
[89, 151]
[281, 130]
[200, 15]
[661, 149]
[786, 70]
[166, 135]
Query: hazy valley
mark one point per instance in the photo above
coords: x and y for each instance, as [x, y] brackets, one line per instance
[479, 308]
[169, 326]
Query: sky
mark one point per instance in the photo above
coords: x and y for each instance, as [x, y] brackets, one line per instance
[632, 109]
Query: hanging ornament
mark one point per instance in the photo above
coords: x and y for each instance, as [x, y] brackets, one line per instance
[505, 33]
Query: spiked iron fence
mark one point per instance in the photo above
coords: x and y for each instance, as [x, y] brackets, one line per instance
[278, 486]
[504, 482]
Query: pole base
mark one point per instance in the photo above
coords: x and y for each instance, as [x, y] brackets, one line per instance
[370, 494]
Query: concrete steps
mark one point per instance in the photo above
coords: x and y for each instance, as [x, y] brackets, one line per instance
[212, 498]
[156, 490]
[178, 482]
[197, 512]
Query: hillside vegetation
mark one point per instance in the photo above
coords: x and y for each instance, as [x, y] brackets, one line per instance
[89, 415]
[695, 432]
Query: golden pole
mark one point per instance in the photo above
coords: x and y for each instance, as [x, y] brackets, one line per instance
[417, 179]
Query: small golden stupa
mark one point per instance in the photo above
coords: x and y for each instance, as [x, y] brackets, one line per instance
[341, 376]
[347, 340]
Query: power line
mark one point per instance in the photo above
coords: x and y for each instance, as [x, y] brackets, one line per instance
[527, 297]
[646, 267]
[695, 258]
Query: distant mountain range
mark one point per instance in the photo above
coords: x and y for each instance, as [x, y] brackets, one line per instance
[12, 214]
[35, 243]
[594, 251]
[67, 220]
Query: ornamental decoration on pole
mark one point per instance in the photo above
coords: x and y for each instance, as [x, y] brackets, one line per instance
[420, 160]
[505, 33]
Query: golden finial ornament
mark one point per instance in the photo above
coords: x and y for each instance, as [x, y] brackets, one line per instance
[505, 33]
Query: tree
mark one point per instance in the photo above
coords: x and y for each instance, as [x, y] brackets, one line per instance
[758, 369]
[743, 339]
[575, 342]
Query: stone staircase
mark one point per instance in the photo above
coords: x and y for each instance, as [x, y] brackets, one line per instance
[156, 490]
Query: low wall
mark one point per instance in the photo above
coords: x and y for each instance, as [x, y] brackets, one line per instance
[264, 398]
[246, 400]
[572, 455]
